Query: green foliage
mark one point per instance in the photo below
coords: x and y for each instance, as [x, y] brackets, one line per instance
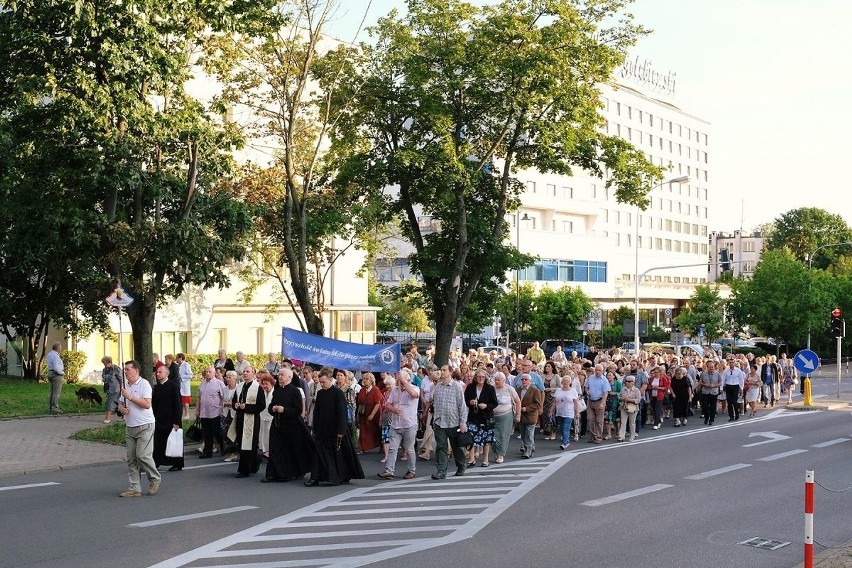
[200, 361]
[704, 308]
[74, 362]
[452, 100]
[125, 161]
[515, 307]
[781, 298]
[558, 313]
[802, 231]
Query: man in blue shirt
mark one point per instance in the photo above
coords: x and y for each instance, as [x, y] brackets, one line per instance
[597, 389]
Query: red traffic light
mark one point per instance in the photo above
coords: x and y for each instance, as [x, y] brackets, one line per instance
[836, 313]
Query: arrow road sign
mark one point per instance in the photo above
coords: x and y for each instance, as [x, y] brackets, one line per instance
[806, 361]
[773, 437]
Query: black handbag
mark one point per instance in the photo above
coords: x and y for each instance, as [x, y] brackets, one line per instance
[464, 440]
[194, 432]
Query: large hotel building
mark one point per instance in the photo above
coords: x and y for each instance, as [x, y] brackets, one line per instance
[583, 236]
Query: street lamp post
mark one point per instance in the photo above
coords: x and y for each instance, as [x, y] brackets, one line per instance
[677, 180]
[810, 265]
[518, 220]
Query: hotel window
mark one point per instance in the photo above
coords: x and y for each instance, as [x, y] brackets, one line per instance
[531, 186]
[594, 191]
[629, 134]
[606, 215]
[677, 246]
[568, 192]
[695, 228]
[551, 190]
[618, 239]
[694, 248]
[629, 112]
[669, 122]
[680, 149]
[650, 119]
[628, 218]
[641, 118]
[658, 244]
[704, 248]
[680, 130]
[748, 246]
[677, 279]
[668, 225]
[567, 226]
[616, 217]
[220, 336]
[650, 140]
[618, 130]
[677, 226]
[628, 239]
[605, 103]
[618, 109]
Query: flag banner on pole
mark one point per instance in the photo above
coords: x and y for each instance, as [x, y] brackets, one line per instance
[340, 354]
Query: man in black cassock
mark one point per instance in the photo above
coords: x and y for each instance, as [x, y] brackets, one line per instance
[167, 408]
[335, 460]
[291, 449]
[248, 402]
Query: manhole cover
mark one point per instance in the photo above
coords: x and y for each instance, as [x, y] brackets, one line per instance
[764, 543]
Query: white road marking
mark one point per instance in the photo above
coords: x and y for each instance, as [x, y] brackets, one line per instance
[27, 486]
[773, 437]
[626, 495]
[191, 516]
[206, 465]
[781, 455]
[720, 471]
[830, 443]
[273, 543]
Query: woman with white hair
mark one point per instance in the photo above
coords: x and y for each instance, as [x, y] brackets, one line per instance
[506, 413]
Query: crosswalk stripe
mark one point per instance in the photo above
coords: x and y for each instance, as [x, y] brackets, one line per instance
[484, 494]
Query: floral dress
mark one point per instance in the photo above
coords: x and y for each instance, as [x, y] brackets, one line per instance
[611, 413]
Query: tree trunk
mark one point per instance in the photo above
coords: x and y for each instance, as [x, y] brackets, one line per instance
[445, 323]
[141, 314]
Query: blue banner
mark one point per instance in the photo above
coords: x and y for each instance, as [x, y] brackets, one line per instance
[340, 354]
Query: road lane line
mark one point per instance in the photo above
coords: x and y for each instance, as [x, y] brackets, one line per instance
[626, 495]
[27, 486]
[720, 471]
[781, 455]
[395, 520]
[328, 534]
[191, 516]
[414, 500]
[206, 465]
[830, 443]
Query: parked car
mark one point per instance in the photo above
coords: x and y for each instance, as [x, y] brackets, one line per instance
[568, 345]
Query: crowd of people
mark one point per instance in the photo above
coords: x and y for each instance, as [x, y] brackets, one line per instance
[300, 420]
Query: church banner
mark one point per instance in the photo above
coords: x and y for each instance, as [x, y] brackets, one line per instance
[340, 354]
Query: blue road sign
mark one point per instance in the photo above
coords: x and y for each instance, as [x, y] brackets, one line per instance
[806, 361]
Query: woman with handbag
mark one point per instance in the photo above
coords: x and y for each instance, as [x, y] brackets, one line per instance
[551, 383]
[658, 385]
[753, 385]
[681, 395]
[481, 399]
[629, 407]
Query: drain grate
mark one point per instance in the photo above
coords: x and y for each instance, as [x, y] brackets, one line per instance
[764, 543]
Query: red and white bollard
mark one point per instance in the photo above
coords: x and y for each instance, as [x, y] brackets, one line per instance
[809, 519]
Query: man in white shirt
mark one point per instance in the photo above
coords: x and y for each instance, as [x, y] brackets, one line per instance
[55, 376]
[135, 406]
[733, 379]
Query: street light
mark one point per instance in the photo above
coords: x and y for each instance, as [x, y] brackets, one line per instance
[677, 180]
[810, 265]
[518, 220]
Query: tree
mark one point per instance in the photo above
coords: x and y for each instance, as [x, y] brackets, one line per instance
[802, 231]
[143, 153]
[782, 299]
[515, 307]
[706, 309]
[287, 79]
[557, 313]
[453, 100]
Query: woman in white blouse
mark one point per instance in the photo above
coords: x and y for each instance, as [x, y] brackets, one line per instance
[507, 412]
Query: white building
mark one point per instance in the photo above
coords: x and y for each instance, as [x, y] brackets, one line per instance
[741, 250]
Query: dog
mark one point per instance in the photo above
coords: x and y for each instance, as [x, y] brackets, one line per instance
[90, 395]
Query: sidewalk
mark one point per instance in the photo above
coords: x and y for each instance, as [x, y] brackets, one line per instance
[36, 445]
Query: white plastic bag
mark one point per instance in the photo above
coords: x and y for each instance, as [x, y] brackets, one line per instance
[174, 445]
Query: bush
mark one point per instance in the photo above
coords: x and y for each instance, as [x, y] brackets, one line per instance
[4, 363]
[74, 362]
[201, 361]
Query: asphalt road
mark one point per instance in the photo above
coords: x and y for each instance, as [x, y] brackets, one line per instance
[677, 497]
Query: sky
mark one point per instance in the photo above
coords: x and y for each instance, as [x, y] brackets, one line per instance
[773, 79]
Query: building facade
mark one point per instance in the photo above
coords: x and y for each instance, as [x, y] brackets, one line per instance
[740, 250]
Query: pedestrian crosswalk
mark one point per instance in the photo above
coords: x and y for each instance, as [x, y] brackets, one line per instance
[377, 523]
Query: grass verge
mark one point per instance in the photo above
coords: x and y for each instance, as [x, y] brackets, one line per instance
[114, 433]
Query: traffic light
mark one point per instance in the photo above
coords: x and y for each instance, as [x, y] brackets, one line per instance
[837, 325]
[724, 260]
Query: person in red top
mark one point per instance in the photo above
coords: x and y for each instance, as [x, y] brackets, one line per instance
[658, 387]
[157, 362]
